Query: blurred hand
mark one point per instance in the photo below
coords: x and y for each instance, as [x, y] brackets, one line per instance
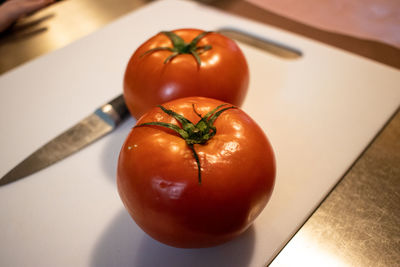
[12, 10]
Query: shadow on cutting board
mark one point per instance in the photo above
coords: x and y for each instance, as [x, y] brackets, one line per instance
[115, 140]
[123, 243]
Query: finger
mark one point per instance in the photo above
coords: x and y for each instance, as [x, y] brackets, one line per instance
[12, 10]
[17, 8]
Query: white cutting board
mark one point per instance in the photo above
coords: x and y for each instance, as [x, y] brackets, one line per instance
[319, 112]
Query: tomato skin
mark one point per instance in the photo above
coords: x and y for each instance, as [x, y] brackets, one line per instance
[223, 73]
[157, 177]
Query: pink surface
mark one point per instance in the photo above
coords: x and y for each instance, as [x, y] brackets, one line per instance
[368, 19]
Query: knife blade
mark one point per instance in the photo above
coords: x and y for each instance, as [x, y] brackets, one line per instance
[102, 121]
[108, 116]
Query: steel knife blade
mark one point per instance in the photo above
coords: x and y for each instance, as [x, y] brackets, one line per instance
[104, 120]
[108, 116]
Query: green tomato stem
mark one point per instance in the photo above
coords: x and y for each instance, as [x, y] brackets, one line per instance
[179, 47]
[198, 133]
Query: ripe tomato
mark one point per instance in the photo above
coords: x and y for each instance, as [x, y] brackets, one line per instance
[158, 181]
[155, 74]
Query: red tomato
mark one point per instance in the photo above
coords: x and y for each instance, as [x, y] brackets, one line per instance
[221, 72]
[158, 181]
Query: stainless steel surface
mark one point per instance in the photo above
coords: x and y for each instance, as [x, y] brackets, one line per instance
[57, 26]
[358, 223]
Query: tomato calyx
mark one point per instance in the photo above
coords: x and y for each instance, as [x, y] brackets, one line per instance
[198, 133]
[180, 47]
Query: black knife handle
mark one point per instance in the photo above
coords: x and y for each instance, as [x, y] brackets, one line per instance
[119, 106]
[114, 111]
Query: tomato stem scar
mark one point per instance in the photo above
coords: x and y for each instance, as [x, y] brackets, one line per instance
[180, 47]
[198, 133]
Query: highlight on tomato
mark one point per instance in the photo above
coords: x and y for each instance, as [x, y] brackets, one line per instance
[182, 63]
[195, 172]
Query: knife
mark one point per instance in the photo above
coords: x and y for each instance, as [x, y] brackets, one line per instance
[107, 117]
[104, 120]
